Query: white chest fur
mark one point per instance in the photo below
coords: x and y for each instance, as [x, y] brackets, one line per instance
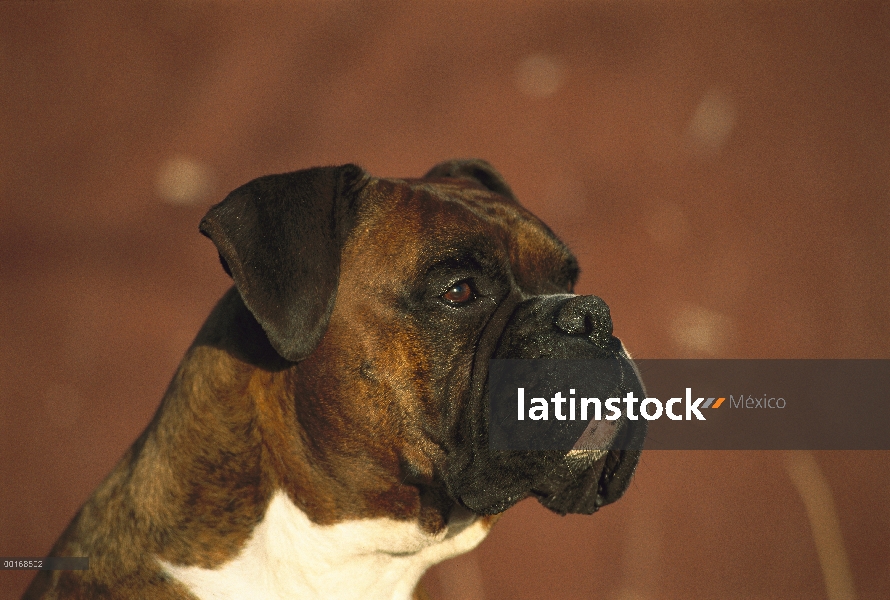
[288, 556]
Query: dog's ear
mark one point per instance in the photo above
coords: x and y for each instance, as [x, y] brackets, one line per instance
[473, 169]
[280, 237]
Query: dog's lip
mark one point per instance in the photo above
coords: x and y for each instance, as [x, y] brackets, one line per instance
[587, 455]
[598, 436]
[612, 462]
[619, 466]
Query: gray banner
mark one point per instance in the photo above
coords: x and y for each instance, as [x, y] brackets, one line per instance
[786, 404]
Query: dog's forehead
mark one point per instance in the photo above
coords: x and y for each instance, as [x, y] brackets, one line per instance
[421, 219]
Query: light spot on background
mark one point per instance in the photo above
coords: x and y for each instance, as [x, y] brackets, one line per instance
[666, 223]
[539, 75]
[712, 122]
[183, 181]
[697, 331]
[61, 404]
[818, 501]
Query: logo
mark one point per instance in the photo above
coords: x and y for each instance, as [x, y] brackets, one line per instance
[538, 409]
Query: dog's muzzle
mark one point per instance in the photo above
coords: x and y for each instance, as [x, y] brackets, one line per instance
[598, 469]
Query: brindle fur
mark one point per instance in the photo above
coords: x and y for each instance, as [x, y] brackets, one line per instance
[354, 430]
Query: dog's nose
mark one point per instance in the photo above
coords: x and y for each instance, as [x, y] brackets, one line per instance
[588, 316]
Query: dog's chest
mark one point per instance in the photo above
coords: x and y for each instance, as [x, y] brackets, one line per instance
[288, 556]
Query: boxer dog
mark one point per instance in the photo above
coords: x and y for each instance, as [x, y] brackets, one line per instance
[326, 434]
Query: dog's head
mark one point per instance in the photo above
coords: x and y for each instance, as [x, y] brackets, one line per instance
[385, 299]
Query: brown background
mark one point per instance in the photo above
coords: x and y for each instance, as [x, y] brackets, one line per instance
[722, 173]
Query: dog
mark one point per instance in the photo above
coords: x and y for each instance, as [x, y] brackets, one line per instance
[325, 435]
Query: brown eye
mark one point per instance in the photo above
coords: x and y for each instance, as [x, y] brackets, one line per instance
[459, 293]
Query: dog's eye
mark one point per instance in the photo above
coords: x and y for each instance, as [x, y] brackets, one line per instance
[459, 293]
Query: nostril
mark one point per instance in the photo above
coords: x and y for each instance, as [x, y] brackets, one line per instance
[591, 324]
[574, 323]
[588, 316]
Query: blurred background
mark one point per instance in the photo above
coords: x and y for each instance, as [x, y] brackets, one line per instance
[721, 170]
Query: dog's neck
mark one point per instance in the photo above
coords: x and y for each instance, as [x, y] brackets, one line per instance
[248, 538]
[289, 556]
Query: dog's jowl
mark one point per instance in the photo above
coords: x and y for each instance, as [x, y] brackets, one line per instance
[326, 434]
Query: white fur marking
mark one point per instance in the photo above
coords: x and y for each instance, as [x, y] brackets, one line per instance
[289, 556]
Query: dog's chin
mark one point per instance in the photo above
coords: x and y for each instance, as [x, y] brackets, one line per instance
[600, 478]
[579, 481]
[593, 477]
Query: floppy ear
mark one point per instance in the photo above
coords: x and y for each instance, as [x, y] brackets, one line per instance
[473, 169]
[280, 237]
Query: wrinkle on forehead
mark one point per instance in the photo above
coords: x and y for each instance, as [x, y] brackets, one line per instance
[410, 218]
